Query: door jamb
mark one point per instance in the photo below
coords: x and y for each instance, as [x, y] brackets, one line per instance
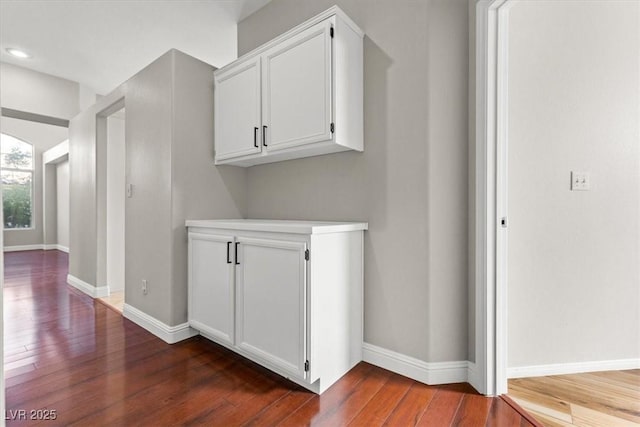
[490, 191]
[101, 188]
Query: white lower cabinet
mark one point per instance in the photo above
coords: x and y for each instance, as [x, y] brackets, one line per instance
[211, 292]
[271, 302]
[285, 294]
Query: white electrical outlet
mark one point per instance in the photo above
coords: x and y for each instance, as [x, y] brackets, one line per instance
[580, 181]
[144, 286]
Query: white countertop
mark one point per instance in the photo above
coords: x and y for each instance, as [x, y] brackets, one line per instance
[280, 226]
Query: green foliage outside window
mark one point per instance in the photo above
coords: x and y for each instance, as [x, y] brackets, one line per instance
[16, 160]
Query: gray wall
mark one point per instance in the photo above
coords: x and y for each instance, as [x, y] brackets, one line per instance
[62, 203]
[82, 195]
[148, 136]
[115, 201]
[52, 184]
[42, 137]
[573, 256]
[50, 204]
[169, 162]
[34, 92]
[471, 209]
[200, 190]
[410, 183]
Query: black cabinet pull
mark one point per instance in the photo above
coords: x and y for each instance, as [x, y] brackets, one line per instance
[264, 136]
[228, 252]
[255, 137]
[237, 243]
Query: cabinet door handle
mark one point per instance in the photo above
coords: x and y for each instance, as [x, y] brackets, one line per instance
[236, 254]
[228, 252]
[255, 137]
[264, 136]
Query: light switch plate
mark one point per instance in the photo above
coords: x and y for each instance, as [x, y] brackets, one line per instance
[580, 181]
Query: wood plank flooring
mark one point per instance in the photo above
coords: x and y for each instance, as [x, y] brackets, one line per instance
[591, 399]
[66, 353]
[115, 300]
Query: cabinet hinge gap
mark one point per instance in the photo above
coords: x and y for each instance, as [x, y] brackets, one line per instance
[331, 32]
[306, 366]
[333, 128]
[306, 254]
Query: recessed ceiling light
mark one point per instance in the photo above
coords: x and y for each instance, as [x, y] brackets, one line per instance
[18, 53]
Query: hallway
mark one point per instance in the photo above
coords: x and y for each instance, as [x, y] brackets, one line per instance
[84, 364]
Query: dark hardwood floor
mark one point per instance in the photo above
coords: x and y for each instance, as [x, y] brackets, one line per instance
[72, 358]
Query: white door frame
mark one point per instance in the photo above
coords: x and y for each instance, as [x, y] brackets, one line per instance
[101, 186]
[491, 191]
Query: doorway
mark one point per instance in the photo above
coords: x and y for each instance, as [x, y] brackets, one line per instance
[573, 119]
[112, 127]
[55, 200]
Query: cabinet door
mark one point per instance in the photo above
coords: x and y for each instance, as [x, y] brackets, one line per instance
[238, 129]
[296, 89]
[211, 280]
[271, 302]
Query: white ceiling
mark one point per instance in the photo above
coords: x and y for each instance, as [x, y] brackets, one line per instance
[101, 43]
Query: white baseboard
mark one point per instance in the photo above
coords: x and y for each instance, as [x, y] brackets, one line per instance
[473, 376]
[37, 247]
[169, 334]
[428, 373]
[572, 368]
[92, 291]
[18, 248]
[55, 247]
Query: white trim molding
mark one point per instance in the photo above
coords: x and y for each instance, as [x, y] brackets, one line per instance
[491, 121]
[55, 247]
[573, 368]
[473, 375]
[87, 288]
[428, 373]
[19, 248]
[36, 247]
[169, 334]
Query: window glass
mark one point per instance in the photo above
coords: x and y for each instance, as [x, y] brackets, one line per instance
[15, 153]
[16, 165]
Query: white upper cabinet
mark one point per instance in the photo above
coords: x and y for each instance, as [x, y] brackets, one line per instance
[237, 110]
[296, 95]
[299, 95]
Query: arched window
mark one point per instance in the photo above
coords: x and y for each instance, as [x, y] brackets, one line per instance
[16, 166]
